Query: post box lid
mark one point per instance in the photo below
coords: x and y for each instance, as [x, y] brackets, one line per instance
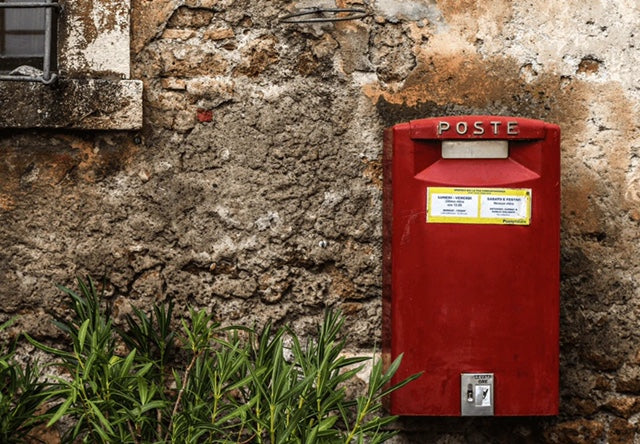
[478, 127]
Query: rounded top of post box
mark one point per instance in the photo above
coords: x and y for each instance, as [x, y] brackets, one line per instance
[479, 127]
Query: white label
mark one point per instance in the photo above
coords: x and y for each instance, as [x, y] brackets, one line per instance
[483, 395]
[454, 205]
[508, 207]
[503, 206]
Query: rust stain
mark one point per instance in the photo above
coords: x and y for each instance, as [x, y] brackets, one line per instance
[342, 286]
[29, 164]
[632, 198]
[373, 171]
[6, 202]
[597, 120]
[452, 8]
[618, 126]
[351, 308]
[307, 64]
[463, 79]
[483, 85]
[109, 16]
[579, 210]
[589, 65]
[468, 16]
[419, 34]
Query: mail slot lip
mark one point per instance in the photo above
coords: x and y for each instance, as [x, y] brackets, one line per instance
[478, 127]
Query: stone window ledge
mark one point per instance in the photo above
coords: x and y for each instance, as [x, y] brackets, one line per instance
[72, 103]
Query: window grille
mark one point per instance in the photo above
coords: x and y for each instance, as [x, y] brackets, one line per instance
[28, 40]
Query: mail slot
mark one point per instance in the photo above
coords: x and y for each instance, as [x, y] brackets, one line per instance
[471, 265]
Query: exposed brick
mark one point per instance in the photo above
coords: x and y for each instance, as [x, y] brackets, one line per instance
[257, 56]
[185, 17]
[178, 34]
[193, 62]
[213, 91]
[42, 434]
[582, 407]
[628, 379]
[621, 432]
[204, 115]
[624, 406]
[581, 431]
[602, 383]
[354, 54]
[218, 34]
[174, 84]
[209, 4]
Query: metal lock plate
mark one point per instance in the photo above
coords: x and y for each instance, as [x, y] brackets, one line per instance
[476, 394]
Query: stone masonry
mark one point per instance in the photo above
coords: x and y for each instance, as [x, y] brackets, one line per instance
[254, 186]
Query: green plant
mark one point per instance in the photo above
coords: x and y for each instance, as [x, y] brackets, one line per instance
[154, 340]
[22, 394]
[209, 384]
[106, 395]
[260, 390]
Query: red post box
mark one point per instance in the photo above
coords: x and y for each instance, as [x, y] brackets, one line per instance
[471, 265]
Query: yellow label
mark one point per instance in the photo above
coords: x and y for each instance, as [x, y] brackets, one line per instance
[501, 206]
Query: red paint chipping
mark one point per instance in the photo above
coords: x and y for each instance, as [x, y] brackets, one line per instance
[204, 115]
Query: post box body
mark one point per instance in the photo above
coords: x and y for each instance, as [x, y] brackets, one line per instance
[467, 291]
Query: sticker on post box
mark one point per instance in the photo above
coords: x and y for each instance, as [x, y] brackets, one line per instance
[501, 206]
[483, 395]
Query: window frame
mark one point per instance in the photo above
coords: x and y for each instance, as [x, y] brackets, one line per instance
[50, 25]
[94, 89]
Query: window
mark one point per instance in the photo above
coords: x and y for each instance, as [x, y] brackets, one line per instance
[28, 40]
[86, 50]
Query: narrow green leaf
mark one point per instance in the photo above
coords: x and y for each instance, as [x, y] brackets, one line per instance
[311, 439]
[327, 423]
[82, 334]
[238, 412]
[96, 428]
[8, 323]
[60, 412]
[128, 363]
[53, 351]
[144, 370]
[96, 411]
[398, 385]
[157, 404]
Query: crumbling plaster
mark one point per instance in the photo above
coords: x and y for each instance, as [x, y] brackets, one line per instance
[254, 186]
[95, 38]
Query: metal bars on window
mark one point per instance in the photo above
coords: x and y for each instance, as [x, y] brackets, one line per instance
[25, 72]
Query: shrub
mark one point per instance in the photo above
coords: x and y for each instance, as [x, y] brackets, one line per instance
[209, 383]
[22, 394]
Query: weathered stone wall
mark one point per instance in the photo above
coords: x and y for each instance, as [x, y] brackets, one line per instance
[254, 187]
